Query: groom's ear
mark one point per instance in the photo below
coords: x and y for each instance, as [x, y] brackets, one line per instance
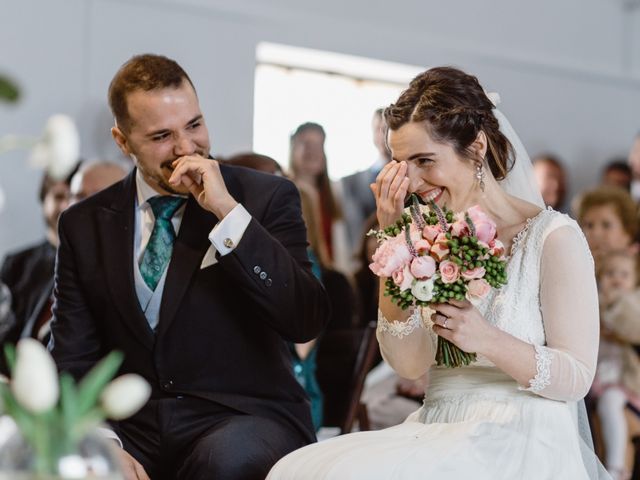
[479, 145]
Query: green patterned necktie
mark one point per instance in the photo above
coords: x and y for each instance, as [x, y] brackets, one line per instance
[158, 252]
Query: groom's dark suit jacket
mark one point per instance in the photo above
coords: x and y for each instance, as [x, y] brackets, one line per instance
[222, 329]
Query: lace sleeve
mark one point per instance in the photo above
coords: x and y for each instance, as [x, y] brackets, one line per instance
[569, 303]
[408, 346]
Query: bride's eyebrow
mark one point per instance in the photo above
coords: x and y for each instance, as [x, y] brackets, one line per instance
[415, 156]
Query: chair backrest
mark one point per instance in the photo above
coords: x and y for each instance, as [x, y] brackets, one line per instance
[345, 356]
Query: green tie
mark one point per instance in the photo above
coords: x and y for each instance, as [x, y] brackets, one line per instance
[158, 252]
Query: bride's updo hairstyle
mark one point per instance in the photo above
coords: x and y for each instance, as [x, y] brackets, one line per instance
[453, 108]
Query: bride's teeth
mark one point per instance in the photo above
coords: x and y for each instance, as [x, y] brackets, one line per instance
[433, 194]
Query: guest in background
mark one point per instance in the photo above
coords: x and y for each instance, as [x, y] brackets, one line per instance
[617, 173]
[616, 386]
[92, 177]
[28, 273]
[551, 178]
[308, 167]
[256, 161]
[634, 164]
[367, 286]
[609, 218]
[358, 201]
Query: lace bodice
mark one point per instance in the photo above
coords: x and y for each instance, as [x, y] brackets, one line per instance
[549, 301]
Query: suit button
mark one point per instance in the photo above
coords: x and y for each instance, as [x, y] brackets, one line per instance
[257, 269]
[263, 275]
[168, 385]
[268, 282]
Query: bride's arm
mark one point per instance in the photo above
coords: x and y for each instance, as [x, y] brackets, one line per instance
[563, 369]
[406, 340]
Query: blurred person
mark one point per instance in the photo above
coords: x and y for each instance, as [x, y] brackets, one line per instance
[28, 273]
[92, 177]
[617, 173]
[358, 201]
[255, 161]
[552, 180]
[609, 219]
[634, 164]
[308, 167]
[616, 386]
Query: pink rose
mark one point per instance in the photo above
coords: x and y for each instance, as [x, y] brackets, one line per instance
[439, 251]
[496, 247]
[473, 273]
[391, 255]
[449, 272]
[403, 278]
[478, 289]
[415, 233]
[430, 232]
[423, 267]
[422, 246]
[485, 227]
[459, 228]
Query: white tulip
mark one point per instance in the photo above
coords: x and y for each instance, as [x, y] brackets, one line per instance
[58, 150]
[124, 396]
[35, 378]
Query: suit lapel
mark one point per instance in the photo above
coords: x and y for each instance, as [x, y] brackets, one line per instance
[189, 249]
[116, 226]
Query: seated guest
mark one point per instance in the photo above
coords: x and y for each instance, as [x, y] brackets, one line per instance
[28, 273]
[95, 176]
[552, 180]
[198, 273]
[256, 161]
[617, 173]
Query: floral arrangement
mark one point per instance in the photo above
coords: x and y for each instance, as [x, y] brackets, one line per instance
[433, 255]
[54, 414]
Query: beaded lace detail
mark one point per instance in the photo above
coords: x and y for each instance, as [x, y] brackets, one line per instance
[400, 329]
[543, 367]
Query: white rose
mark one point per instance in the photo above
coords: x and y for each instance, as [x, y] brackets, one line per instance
[35, 378]
[423, 289]
[124, 396]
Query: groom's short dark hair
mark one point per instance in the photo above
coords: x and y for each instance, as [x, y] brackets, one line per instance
[143, 72]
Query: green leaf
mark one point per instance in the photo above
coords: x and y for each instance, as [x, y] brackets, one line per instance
[10, 355]
[8, 90]
[93, 383]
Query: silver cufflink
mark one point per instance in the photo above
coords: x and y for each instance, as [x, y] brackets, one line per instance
[228, 243]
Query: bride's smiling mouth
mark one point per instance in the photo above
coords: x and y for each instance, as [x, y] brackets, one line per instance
[432, 195]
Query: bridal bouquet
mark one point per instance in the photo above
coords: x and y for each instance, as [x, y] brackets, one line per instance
[433, 255]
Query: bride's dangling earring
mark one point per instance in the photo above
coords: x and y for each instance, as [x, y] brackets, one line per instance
[480, 175]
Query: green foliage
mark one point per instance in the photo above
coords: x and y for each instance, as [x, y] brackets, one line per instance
[9, 91]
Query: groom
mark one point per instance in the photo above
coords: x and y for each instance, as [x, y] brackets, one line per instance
[198, 272]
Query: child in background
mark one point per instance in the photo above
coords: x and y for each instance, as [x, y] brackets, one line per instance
[617, 381]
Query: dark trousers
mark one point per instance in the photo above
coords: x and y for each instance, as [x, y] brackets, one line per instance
[186, 438]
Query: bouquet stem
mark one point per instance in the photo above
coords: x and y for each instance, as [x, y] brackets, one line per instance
[451, 356]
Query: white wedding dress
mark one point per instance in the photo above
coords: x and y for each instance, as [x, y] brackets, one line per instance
[477, 422]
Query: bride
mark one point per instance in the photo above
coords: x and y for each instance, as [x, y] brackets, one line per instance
[514, 413]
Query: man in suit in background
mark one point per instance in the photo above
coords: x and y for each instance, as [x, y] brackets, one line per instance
[198, 272]
[28, 273]
[358, 200]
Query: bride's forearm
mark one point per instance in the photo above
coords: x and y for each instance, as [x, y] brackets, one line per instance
[513, 356]
[405, 343]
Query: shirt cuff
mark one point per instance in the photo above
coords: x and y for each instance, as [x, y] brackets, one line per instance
[109, 434]
[226, 235]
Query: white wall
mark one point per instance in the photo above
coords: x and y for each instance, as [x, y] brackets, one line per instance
[568, 72]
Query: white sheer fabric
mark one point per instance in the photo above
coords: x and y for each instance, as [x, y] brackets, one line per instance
[476, 421]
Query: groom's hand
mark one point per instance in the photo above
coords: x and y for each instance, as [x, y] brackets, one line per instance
[203, 179]
[131, 469]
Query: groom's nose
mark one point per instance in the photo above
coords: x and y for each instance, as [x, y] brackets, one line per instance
[184, 145]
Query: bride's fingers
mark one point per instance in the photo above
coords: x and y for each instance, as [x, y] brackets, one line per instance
[401, 174]
[401, 193]
[384, 178]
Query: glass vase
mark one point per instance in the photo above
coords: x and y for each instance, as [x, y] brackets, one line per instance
[93, 457]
